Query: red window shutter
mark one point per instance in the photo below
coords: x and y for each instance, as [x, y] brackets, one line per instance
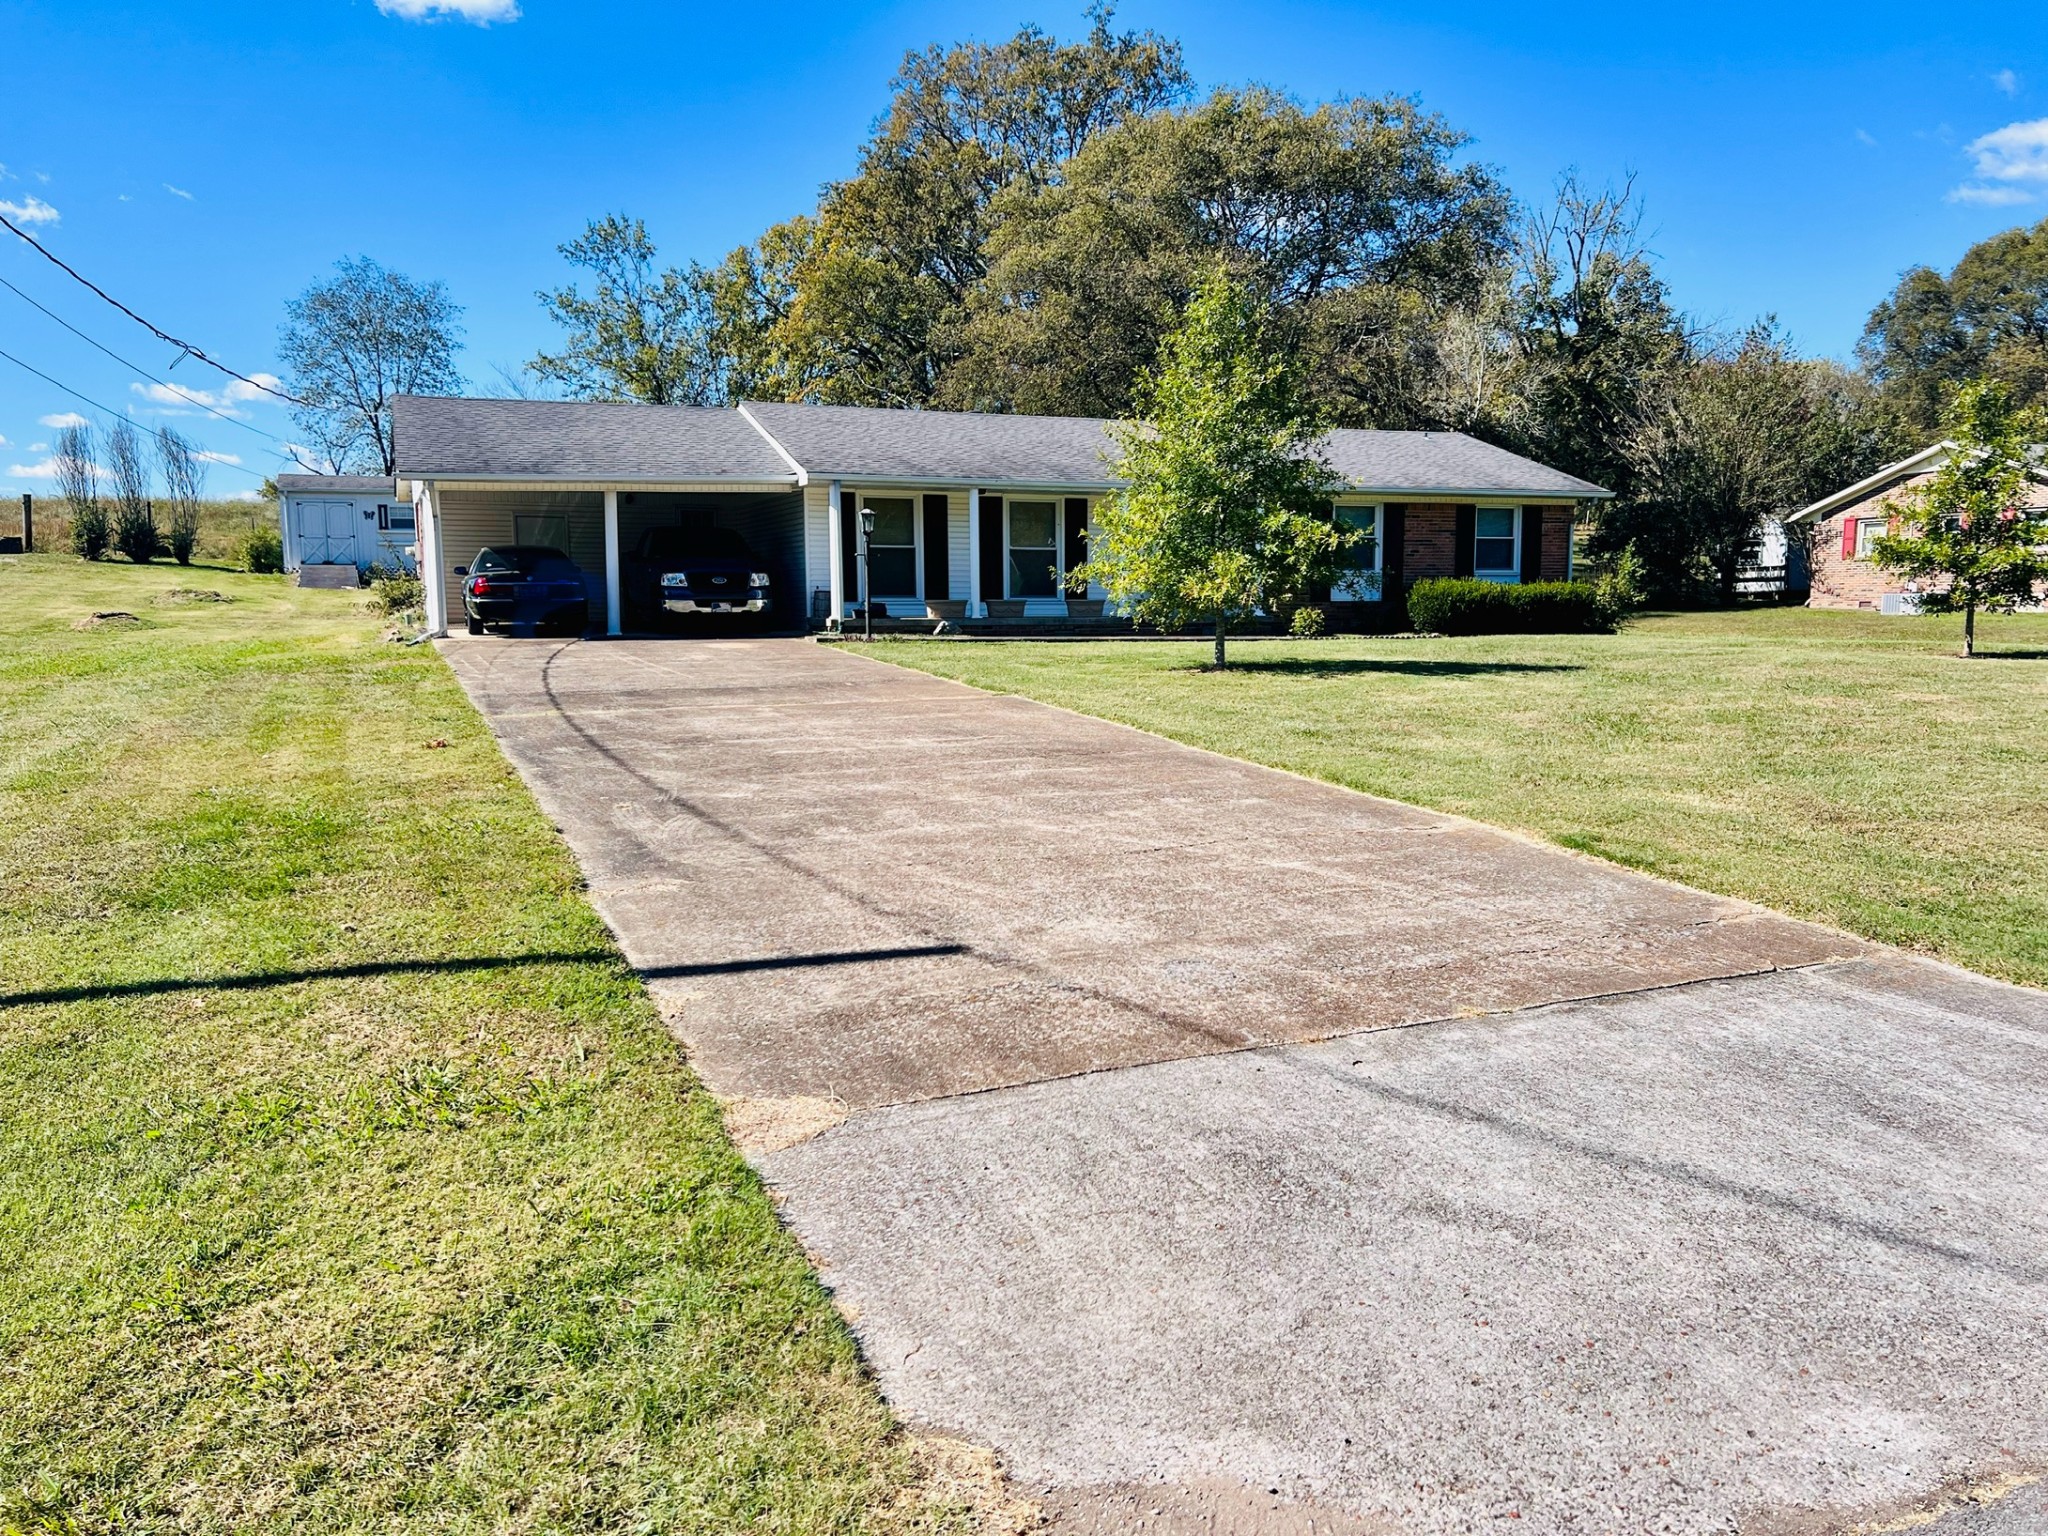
[1848, 538]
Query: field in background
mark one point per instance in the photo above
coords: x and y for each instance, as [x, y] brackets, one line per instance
[348, 1178]
[222, 526]
[1843, 767]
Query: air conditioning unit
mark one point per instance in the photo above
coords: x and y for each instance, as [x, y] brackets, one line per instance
[1899, 603]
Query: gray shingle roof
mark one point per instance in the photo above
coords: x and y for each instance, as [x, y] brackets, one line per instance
[340, 485]
[585, 440]
[859, 442]
[1416, 462]
[866, 443]
[578, 439]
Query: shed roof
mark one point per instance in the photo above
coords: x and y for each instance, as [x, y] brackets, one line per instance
[340, 485]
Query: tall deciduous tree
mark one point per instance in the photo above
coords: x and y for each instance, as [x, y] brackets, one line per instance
[1988, 318]
[1969, 530]
[1225, 483]
[1738, 434]
[1595, 336]
[878, 300]
[641, 333]
[1356, 219]
[352, 344]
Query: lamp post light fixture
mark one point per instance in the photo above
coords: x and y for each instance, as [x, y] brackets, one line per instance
[867, 586]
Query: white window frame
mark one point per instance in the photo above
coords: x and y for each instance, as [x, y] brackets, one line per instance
[1059, 547]
[1511, 576]
[1363, 583]
[1868, 531]
[863, 498]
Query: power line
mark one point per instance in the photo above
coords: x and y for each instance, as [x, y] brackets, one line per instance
[100, 405]
[184, 395]
[184, 347]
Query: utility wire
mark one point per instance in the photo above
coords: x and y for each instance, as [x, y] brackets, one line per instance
[184, 395]
[184, 347]
[99, 405]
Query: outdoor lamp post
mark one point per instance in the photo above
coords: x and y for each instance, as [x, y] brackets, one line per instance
[867, 586]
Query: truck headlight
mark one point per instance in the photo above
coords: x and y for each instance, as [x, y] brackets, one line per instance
[674, 579]
[758, 579]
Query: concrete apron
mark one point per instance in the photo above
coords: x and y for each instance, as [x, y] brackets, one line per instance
[1709, 1251]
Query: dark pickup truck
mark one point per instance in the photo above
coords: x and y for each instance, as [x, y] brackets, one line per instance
[680, 572]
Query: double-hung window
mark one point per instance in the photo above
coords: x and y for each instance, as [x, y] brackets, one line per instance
[892, 547]
[1034, 548]
[1868, 531]
[1360, 582]
[1497, 543]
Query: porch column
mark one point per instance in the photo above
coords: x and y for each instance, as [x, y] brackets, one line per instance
[974, 609]
[611, 562]
[433, 572]
[835, 553]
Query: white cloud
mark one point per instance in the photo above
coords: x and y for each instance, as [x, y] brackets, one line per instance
[480, 12]
[208, 456]
[3, 442]
[1991, 197]
[180, 192]
[2012, 165]
[33, 210]
[245, 495]
[63, 419]
[184, 399]
[2007, 81]
[1865, 136]
[45, 470]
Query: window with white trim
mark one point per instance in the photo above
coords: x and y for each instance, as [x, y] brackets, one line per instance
[1497, 543]
[1034, 564]
[892, 547]
[1361, 581]
[1868, 531]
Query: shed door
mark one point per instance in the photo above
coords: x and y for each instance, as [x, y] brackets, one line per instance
[327, 533]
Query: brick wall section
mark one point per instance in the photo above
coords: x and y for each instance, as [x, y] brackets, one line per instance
[1432, 527]
[1851, 583]
[1557, 540]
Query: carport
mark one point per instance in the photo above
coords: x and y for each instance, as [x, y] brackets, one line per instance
[590, 477]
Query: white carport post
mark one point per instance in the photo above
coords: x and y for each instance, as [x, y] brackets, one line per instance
[433, 574]
[974, 552]
[611, 563]
[835, 552]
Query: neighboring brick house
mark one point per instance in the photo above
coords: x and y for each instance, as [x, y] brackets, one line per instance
[1843, 526]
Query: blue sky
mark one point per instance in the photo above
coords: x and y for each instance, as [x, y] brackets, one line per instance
[204, 162]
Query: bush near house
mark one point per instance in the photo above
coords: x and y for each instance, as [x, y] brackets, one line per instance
[1463, 606]
[262, 552]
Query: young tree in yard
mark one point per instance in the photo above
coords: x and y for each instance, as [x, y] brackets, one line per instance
[1968, 529]
[135, 531]
[1221, 513]
[78, 482]
[184, 479]
[353, 343]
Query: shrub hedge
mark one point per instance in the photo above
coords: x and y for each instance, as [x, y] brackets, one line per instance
[1463, 606]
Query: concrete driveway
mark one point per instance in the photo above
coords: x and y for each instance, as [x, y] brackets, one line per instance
[1235, 1153]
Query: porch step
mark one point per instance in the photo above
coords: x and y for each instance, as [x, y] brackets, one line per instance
[338, 578]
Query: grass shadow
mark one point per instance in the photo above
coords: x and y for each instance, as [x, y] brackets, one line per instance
[1983, 655]
[157, 986]
[1347, 666]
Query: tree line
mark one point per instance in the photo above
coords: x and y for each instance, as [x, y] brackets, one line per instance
[1029, 220]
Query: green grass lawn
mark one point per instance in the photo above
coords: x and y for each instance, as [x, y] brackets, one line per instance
[348, 1180]
[1844, 767]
